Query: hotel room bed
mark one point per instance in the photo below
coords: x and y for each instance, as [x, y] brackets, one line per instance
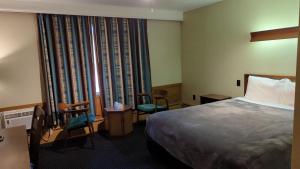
[231, 134]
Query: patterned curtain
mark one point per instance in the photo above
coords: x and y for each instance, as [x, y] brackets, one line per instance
[67, 60]
[122, 48]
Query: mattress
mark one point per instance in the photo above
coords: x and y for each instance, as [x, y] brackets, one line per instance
[230, 134]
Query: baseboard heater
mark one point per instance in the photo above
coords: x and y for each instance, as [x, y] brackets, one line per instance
[16, 118]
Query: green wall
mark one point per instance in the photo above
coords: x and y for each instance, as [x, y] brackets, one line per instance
[165, 51]
[216, 47]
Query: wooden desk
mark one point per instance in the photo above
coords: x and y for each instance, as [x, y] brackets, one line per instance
[119, 121]
[14, 152]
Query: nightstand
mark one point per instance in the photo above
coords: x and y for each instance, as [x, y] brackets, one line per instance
[212, 98]
[189, 103]
[119, 121]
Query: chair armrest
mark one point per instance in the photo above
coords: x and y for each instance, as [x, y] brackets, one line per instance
[161, 97]
[86, 103]
[141, 95]
[74, 111]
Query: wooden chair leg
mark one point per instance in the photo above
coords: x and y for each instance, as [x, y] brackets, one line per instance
[91, 130]
[137, 116]
[65, 136]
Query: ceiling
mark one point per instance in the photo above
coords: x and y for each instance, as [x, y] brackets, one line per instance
[179, 5]
[147, 9]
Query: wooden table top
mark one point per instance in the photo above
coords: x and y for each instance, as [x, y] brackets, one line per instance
[14, 152]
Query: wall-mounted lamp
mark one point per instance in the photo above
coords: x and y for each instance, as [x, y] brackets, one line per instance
[275, 34]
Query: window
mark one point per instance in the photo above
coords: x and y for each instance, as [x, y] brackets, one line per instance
[95, 62]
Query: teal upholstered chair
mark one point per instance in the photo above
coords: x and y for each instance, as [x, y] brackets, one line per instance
[145, 105]
[77, 117]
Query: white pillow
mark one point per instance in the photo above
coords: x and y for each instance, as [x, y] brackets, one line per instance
[271, 91]
[286, 92]
[261, 89]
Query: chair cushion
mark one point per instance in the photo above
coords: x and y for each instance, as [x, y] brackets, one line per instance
[91, 117]
[150, 108]
[79, 122]
[76, 122]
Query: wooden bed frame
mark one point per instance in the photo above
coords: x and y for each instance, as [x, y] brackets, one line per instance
[246, 77]
[161, 155]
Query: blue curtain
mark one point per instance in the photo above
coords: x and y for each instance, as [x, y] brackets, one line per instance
[68, 44]
[122, 48]
[67, 61]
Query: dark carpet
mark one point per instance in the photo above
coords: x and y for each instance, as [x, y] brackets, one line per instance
[129, 152]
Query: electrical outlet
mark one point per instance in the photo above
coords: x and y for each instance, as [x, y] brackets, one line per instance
[238, 83]
[194, 97]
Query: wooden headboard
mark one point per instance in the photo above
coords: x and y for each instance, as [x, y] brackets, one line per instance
[246, 77]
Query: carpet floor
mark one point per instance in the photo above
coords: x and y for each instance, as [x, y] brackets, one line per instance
[128, 152]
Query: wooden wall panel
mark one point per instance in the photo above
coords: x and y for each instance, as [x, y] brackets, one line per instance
[19, 107]
[174, 93]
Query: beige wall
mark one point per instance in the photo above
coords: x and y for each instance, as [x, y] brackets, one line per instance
[19, 64]
[216, 47]
[165, 51]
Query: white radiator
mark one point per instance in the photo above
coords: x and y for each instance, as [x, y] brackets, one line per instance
[18, 117]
